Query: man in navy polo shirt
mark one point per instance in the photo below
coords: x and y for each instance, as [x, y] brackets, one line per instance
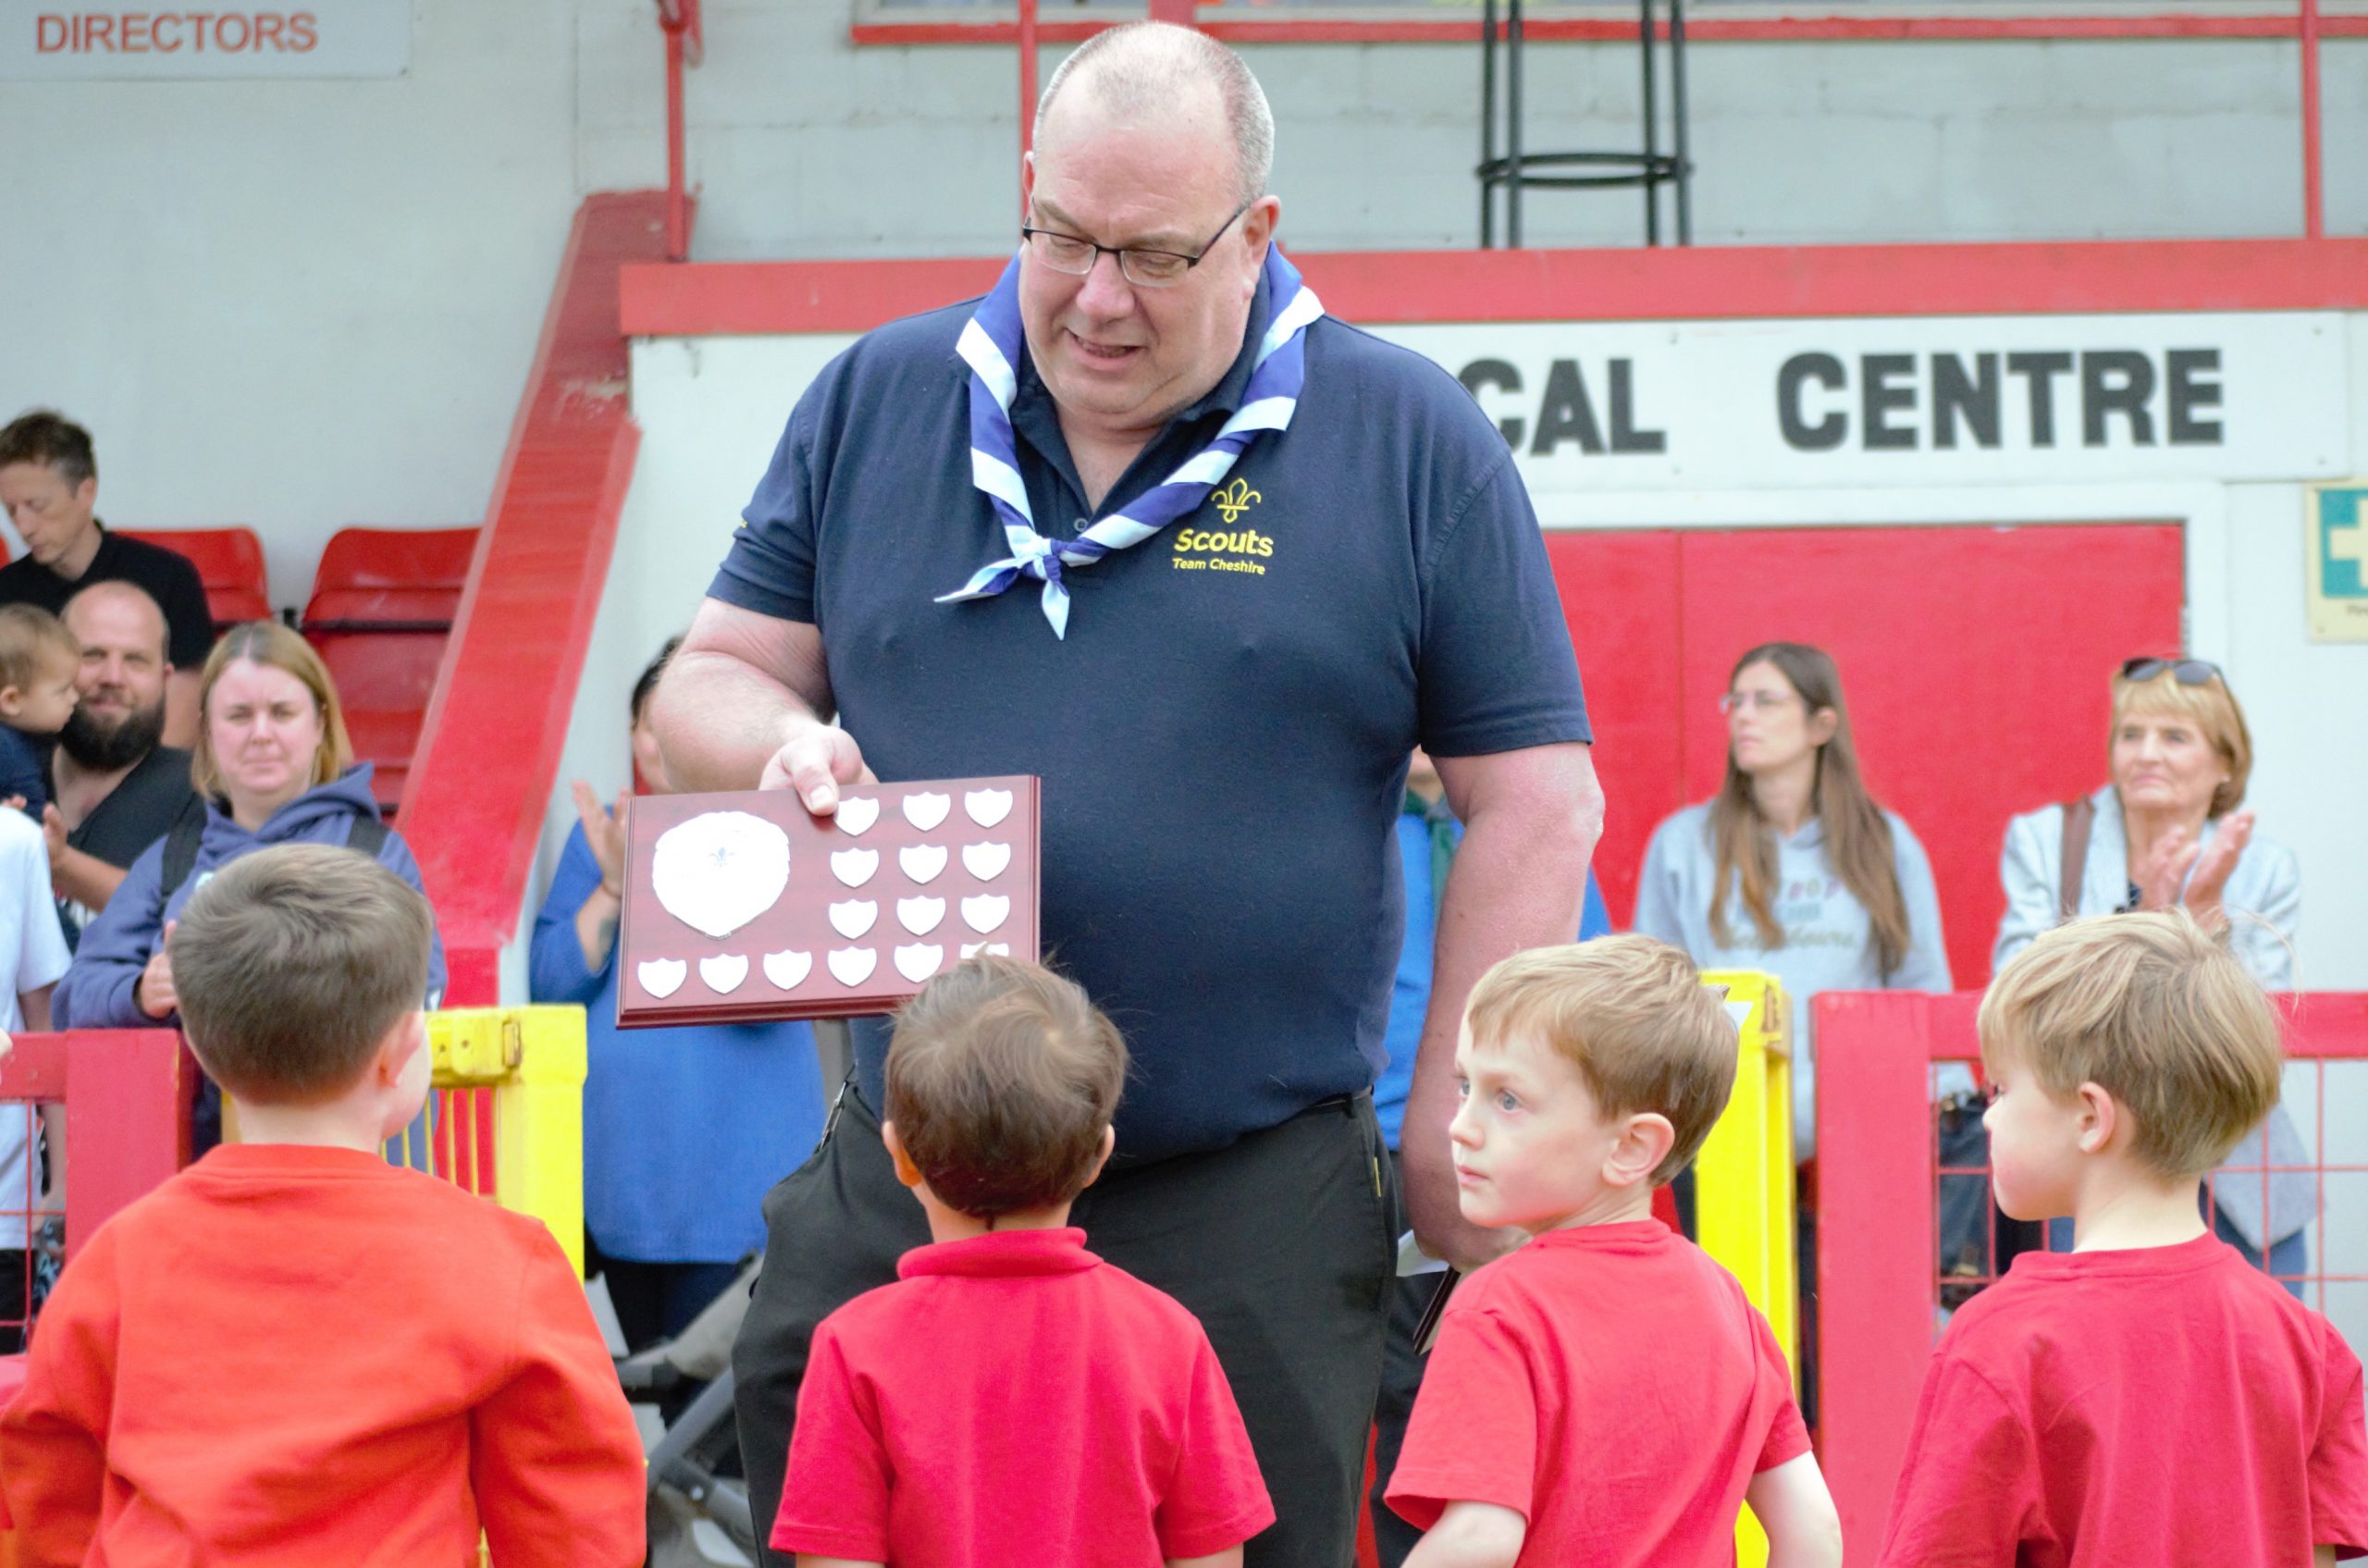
[1145, 523]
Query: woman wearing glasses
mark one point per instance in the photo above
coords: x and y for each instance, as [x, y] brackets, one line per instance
[1791, 868]
[2170, 829]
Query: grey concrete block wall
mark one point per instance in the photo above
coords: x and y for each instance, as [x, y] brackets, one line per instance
[805, 144]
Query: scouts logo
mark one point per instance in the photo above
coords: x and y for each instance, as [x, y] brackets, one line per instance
[1230, 549]
[1234, 499]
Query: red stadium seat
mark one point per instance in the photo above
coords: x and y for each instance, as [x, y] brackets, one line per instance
[391, 578]
[382, 607]
[384, 680]
[229, 561]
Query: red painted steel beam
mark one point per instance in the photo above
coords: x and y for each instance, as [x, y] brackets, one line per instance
[489, 746]
[685, 45]
[1714, 29]
[1707, 282]
[2315, 223]
[1027, 86]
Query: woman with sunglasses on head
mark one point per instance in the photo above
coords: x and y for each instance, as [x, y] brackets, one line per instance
[2171, 828]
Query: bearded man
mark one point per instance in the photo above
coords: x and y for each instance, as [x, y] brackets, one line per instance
[115, 789]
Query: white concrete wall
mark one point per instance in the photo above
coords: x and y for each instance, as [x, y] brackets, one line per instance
[293, 304]
[806, 145]
[303, 304]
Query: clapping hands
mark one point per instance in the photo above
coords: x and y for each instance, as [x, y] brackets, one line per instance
[2178, 869]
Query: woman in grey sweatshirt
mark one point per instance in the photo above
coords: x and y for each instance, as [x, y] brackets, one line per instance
[1791, 868]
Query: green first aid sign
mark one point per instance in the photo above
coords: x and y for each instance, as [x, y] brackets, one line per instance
[2337, 547]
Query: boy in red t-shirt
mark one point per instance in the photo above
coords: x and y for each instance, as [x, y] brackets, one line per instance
[1605, 1394]
[293, 1353]
[2148, 1397]
[1012, 1401]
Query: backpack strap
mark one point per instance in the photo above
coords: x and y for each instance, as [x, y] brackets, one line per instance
[2079, 816]
[368, 834]
[182, 844]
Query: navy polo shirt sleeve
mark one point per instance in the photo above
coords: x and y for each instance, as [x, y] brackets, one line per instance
[1495, 672]
[770, 568]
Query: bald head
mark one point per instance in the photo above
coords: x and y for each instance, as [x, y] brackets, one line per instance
[125, 607]
[122, 681]
[1155, 72]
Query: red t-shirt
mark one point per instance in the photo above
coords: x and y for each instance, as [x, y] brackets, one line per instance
[2158, 1405]
[286, 1357]
[1014, 1400]
[1613, 1386]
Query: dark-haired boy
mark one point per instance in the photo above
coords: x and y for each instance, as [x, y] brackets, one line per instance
[293, 1353]
[1012, 1400]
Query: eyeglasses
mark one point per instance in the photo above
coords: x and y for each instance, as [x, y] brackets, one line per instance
[2187, 672]
[1144, 269]
[1758, 701]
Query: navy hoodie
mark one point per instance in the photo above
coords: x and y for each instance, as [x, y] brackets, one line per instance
[96, 992]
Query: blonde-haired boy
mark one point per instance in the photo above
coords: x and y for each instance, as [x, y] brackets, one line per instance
[39, 659]
[1605, 1394]
[2148, 1397]
[293, 1353]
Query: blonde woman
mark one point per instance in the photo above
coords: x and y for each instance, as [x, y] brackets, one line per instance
[2172, 828]
[273, 765]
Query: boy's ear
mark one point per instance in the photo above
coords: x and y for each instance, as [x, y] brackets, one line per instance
[406, 1040]
[1646, 1139]
[1109, 1142]
[906, 1171]
[12, 701]
[2101, 1118]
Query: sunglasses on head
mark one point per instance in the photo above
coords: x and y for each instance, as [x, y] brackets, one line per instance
[2187, 672]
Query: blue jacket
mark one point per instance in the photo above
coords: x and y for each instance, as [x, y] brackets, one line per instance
[685, 1128]
[96, 992]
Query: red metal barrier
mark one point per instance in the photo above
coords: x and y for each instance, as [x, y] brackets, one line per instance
[1878, 1251]
[126, 1093]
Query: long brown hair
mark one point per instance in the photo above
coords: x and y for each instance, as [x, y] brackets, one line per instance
[1857, 838]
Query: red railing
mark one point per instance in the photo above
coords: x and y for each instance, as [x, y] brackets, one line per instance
[126, 1097]
[1880, 1276]
[1237, 24]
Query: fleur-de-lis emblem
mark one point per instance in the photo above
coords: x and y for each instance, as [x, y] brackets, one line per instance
[1235, 499]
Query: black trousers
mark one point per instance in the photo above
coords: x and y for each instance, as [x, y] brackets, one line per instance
[1280, 1244]
[1401, 1379]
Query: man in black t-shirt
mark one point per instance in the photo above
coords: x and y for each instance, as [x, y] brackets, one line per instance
[114, 790]
[49, 485]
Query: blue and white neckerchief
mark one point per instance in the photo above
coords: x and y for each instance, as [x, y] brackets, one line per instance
[992, 345]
